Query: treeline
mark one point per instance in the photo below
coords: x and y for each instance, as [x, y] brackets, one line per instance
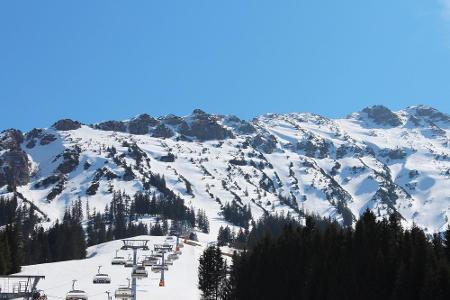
[119, 219]
[237, 215]
[24, 242]
[228, 237]
[378, 259]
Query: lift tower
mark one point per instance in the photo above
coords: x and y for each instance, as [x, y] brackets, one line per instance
[19, 286]
[134, 245]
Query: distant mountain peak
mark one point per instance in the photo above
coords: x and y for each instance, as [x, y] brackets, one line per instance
[381, 115]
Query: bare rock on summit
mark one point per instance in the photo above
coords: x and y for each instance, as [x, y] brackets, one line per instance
[66, 124]
[141, 124]
[381, 115]
[111, 126]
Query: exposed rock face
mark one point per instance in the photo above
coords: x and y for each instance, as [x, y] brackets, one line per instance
[141, 124]
[162, 131]
[47, 139]
[381, 115]
[267, 144]
[205, 127]
[111, 126]
[314, 147]
[242, 127]
[393, 153]
[14, 163]
[431, 114]
[71, 160]
[36, 135]
[209, 130]
[172, 120]
[66, 124]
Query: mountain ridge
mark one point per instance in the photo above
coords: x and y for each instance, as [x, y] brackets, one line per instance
[377, 159]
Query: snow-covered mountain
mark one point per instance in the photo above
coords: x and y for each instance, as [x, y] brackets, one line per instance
[389, 162]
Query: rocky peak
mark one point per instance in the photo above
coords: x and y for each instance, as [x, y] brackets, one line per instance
[11, 139]
[382, 116]
[428, 113]
[66, 124]
[111, 126]
[141, 124]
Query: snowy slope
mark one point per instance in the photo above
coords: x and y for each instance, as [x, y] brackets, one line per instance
[180, 279]
[389, 162]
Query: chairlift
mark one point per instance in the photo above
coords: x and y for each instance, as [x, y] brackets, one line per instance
[172, 256]
[118, 260]
[168, 262]
[76, 294]
[124, 292]
[150, 261]
[101, 278]
[139, 272]
[129, 263]
[159, 268]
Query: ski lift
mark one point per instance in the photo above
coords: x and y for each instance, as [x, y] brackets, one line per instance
[101, 278]
[159, 268]
[168, 262]
[76, 294]
[118, 260]
[157, 254]
[150, 261]
[124, 292]
[139, 272]
[129, 263]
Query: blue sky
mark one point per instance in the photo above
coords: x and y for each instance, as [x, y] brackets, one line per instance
[98, 60]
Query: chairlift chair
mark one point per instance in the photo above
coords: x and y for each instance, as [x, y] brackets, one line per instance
[124, 292]
[118, 260]
[150, 261]
[172, 256]
[139, 272]
[76, 294]
[100, 278]
[168, 262]
[159, 268]
[129, 263]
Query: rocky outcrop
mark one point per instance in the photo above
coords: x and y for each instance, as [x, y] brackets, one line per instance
[111, 126]
[430, 114]
[382, 116]
[66, 124]
[205, 127]
[71, 159]
[14, 163]
[162, 131]
[141, 124]
[265, 143]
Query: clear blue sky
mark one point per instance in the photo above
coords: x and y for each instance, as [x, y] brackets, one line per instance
[96, 60]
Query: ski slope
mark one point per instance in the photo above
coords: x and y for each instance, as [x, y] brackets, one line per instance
[180, 279]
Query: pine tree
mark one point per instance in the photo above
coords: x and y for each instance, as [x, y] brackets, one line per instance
[211, 273]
